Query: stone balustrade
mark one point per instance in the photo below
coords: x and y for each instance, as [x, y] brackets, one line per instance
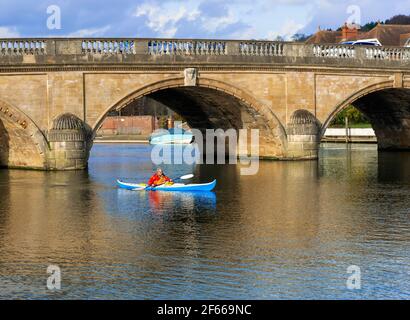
[261, 48]
[22, 46]
[386, 53]
[334, 51]
[58, 49]
[105, 46]
[186, 47]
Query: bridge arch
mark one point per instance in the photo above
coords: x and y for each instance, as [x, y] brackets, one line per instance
[22, 143]
[212, 104]
[388, 109]
[352, 98]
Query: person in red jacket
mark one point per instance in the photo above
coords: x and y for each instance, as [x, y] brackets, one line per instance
[158, 178]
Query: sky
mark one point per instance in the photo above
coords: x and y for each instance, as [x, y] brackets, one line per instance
[234, 19]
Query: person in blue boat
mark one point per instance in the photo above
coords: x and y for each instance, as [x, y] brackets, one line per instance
[159, 178]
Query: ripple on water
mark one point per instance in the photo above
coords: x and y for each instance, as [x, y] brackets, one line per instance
[289, 232]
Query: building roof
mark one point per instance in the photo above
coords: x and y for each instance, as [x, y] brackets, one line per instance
[323, 36]
[387, 34]
[404, 38]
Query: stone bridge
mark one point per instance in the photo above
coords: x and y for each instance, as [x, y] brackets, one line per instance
[55, 93]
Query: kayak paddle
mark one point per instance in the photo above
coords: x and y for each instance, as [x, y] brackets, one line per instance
[185, 177]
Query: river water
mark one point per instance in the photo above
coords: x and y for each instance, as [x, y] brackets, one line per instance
[289, 232]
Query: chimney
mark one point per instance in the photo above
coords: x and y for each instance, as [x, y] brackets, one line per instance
[349, 34]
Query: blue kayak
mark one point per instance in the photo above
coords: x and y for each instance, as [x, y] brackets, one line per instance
[168, 187]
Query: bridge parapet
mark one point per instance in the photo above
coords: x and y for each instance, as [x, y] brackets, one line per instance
[387, 53]
[187, 47]
[108, 46]
[261, 48]
[201, 51]
[22, 46]
[335, 51]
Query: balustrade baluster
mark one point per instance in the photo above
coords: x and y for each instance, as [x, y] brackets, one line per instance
[177, 48]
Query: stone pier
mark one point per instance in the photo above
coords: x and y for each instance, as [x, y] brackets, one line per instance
[303, 136]
[70, 143]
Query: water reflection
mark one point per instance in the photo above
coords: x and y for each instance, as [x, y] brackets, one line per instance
[161, 202]
[394, 167]
[289, 232]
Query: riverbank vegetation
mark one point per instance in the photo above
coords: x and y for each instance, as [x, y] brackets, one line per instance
[355, 119]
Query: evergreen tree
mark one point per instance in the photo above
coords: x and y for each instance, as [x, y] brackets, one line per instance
[399, 19]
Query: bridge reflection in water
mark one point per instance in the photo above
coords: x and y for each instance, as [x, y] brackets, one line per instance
[289, 232]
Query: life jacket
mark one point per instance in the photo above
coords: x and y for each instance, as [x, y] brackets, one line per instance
[156, 180]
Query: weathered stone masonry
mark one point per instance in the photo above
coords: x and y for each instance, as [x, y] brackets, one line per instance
[55, 93]
[70, 143]
[303, 135]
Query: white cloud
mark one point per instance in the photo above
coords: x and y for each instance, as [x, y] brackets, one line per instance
[9, 32]
[288, 29]
[164, 19]
[248, 33]
[213, 24]
[92, 32]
